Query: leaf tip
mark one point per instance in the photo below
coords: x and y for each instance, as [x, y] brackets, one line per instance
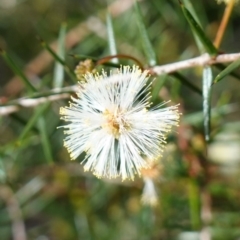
[180, 2]
[207, 138]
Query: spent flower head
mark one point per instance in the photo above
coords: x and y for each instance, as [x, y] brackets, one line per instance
[150, 175]
[111, 122]
[149, 195]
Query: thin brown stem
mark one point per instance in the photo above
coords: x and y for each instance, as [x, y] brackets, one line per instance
[108, 58]
[224, 22]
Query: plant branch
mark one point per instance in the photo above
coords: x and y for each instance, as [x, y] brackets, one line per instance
[200, 61]
[53, 95]
[63, 93]
[73, 37]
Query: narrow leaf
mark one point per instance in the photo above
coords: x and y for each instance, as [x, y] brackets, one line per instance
[196, 118]
[159, 82]
[22, 121]
[229, 69]
[17, 71]
[59, 59]
[45, 140]
[111, 39]
[194, 203]
[207, 84]
[147, 47]
[38, 118]
[167, 11]
[185, 82]
[59, 69]
[209, 47]
[221, 67]
[38, 112]
[191, 9]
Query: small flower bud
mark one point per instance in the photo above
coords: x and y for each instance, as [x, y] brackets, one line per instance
[86, 66]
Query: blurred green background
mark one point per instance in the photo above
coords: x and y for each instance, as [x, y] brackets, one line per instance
[44, 195]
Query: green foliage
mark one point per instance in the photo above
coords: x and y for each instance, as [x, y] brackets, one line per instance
[111, 38]
[147, 46]
[52, 197]
[207, 90]
[206, 42]
[228, 70]
[17, 71]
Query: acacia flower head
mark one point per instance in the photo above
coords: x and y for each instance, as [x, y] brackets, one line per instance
[83, 67]
[111, 121]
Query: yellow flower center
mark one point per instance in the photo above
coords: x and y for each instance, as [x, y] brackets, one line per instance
[115, 123]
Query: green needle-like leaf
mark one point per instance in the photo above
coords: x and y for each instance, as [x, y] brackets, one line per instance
[228, 70]
[185, 82]
[196, 118]
[38, 112]
[45, 140]
[59, 69]
[221, 67]
[194, 203]
[111, 39]
[17, 71]
[59, 59]
[209, 47]
[22, 121]
[147, 46]
[37, 117]
[191, 9]
[207, 85]
[159, 82]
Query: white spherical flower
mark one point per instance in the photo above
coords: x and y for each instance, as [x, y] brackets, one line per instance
[111, 121]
